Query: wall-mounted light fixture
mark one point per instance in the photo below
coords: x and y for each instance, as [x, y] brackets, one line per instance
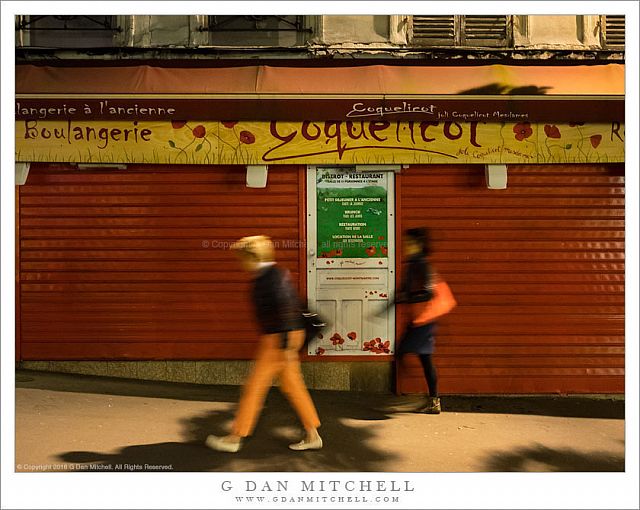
[257, 176]
[496, 176]
[22, 172]
[93, 166]
[378, 168]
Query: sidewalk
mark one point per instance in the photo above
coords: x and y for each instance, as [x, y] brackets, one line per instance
[63, 421]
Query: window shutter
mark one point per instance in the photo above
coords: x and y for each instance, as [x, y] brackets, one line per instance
[613, 31]
[51, 31]
[478, 31]
[434, 30]
[485, 31]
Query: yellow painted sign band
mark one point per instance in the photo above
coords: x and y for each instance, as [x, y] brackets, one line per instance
[276, 142]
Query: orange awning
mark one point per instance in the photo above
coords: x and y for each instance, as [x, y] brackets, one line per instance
[576, 92]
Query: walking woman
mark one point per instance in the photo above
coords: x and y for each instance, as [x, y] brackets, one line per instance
[428, 297]
[278, 312]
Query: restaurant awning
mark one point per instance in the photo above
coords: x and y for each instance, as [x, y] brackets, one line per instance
[489, 93]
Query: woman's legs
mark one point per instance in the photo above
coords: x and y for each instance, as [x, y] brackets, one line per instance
[433, 402]
[430, 374]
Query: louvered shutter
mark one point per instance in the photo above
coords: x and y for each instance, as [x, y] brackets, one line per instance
[134, 264]
[613, 31]
[537, 270]
[484, 31]
[478, 31]
[434, 30]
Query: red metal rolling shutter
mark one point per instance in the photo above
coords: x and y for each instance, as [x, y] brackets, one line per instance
[129, 264]
[538, 272]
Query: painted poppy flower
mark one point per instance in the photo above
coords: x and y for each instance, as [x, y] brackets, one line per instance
[384, 250]
[247, 137]
[522, 130]
[199, 131]
[177, 124]
[552, 131]
[595, 140]
[229, 123]
[337, 339]
[352, 335]
[377, 346]
[320, 351]
[370, 251]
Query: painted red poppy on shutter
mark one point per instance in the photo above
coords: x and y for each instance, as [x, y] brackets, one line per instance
[595, 140]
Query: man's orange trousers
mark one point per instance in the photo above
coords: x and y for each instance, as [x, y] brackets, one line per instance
[274, 362]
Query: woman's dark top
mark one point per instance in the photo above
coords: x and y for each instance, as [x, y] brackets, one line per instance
[276, 301]
[416, 285]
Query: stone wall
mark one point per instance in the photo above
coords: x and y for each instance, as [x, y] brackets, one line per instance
[343, 376]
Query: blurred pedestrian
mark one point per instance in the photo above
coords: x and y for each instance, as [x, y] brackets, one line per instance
[277, 308]
[428, 297]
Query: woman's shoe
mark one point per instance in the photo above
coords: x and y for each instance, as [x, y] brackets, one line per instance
[316, 444]
[219, 444]
[432, 407]
[405, 405]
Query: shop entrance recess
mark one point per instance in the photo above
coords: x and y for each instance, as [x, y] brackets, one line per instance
[351, 258]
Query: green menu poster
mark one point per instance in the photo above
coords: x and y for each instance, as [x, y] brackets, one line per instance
[351, 213]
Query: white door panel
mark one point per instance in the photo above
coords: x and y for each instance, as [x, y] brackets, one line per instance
[352, 293]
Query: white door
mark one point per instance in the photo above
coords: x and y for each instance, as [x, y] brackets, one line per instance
[350, 258]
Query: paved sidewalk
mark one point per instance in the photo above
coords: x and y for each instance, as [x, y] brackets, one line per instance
[64, 422]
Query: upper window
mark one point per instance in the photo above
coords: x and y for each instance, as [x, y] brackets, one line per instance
[454, 30]
[284, 31]
[612, 31]
[66, 31]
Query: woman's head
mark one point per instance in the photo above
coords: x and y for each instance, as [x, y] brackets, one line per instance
[417, 241]
[253, 250]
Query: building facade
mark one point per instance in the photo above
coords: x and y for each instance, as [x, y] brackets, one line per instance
[146, 144]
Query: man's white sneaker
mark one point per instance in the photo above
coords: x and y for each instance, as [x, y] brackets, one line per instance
[217, 443]
[316, 444]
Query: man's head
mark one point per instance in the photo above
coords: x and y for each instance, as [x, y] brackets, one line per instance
[253, 250]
